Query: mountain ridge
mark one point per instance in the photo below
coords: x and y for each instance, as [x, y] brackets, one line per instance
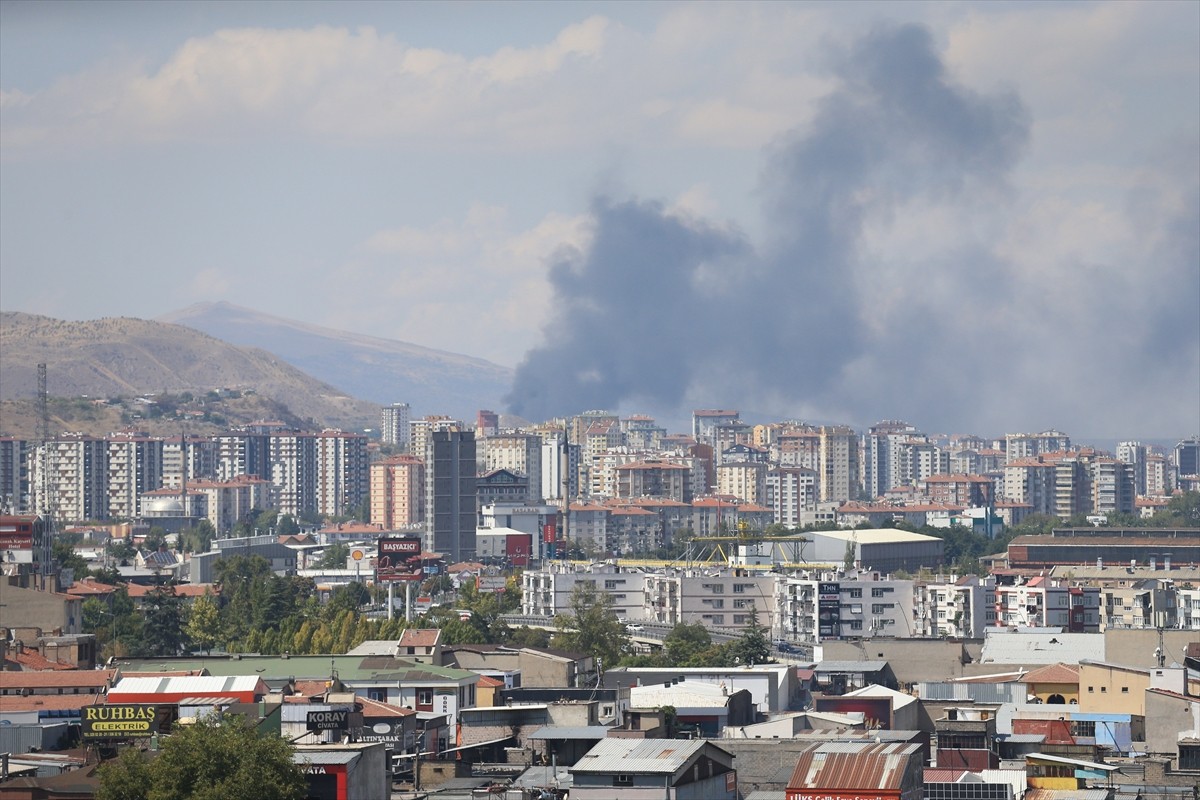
[374, 368]
[115, 356]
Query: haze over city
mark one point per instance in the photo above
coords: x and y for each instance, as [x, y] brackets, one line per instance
[981, 216]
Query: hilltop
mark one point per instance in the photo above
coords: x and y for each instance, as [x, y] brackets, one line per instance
[125, 357]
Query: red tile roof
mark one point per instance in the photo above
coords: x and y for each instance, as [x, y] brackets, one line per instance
[1053, 673]
[33, 661]
[76, 678]
[419, 637]
[49, 702]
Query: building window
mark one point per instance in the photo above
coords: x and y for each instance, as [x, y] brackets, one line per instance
[1085, 728]
[622, 779]
[856, 592]
[425, 697]
[1124, 690]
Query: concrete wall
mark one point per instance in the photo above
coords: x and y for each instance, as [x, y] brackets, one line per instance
[914, 660]
[1135, 646]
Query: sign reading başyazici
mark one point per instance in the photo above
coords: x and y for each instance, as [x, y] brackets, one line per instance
[120, 721]
[396, 556]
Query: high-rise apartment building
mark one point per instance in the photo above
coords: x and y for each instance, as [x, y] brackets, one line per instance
[1029, 445]
[398, 492]
[519, 453]
[790, 492]
[134, 466]
[341, 480]
[745, 480]
[75, 487]
[450, 512]
[883, 456]
[1187, 457]
[705, 421]
[394, 422]
[839, 462]
[14, 475]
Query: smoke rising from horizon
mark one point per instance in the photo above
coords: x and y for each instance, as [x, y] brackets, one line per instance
[887, 285]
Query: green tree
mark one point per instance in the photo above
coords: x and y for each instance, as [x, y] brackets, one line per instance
[525, 636]
[592, 627]
[204, 623]
[1184, 509]
[163, 632]
[215, 758]
[334, 556]
[287, 526]
[687, 645]
[63, 553]
[156, 538]
[753, 647]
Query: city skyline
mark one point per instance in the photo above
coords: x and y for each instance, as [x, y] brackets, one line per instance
[983, 214]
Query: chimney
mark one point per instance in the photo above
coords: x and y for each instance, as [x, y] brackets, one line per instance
[1099, 562]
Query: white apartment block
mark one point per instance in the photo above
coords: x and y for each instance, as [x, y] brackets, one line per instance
[715, 598]
[547, 592]
[554, 470]
[134, 466]
[394, 426]
[705, 421]
[342, 478]
[1031, 482]
[836, 606]
[292, 464]
[790, 492]
[201, 458]
[961, 608]
[75, 486]
[1029, 445]
[1039, 604]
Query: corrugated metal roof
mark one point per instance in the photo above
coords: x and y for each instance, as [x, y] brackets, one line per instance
[853, 766]
[987, 693]
[850, 666]
[323, 757]
[640, 756]
[1074, 762]
[1066, 794]
[190, 684]
[570, 732]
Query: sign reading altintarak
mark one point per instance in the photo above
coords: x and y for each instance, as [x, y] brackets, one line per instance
[120, 721]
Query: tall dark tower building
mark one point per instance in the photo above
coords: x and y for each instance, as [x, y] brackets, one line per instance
[451, 515]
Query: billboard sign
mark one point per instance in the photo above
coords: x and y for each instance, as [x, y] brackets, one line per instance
[491, 583]
[13, 539]
[396, 559]
[328, 720]
[122, 721]
[829, 610]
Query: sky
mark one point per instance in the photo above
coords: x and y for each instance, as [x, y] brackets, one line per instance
[975, 217]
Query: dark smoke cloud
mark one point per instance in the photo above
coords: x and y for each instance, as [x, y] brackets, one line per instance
[661, 309]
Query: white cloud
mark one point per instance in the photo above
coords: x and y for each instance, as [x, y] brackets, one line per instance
[475, 285]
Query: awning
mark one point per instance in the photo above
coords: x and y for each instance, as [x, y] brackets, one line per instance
[477, 744]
